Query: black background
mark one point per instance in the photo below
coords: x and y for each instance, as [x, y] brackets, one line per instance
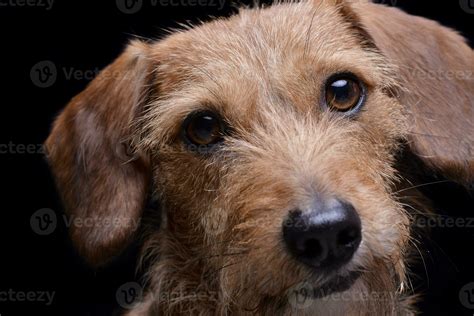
[86, 36]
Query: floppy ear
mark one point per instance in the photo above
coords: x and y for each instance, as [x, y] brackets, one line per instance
[103, 189]
[436, 69]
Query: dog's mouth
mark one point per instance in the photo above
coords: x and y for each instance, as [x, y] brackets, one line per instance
[337, 284]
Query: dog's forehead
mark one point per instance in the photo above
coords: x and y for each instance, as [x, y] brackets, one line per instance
[261, 37]
[260, 54]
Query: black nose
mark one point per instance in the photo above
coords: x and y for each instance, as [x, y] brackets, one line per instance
[325, 236]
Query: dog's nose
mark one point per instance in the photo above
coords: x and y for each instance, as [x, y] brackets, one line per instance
[326, 236]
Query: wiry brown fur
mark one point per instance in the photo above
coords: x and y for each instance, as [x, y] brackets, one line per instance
[220, 249]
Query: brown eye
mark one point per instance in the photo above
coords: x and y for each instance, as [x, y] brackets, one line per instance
[203, 129]
[344, 93]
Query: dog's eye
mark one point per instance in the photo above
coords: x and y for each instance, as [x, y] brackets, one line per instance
[203, 129]
[344, 93]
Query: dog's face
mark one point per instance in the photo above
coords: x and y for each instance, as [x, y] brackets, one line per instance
[261, 144]
[270, 140]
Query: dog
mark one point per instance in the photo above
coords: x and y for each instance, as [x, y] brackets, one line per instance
[284, 146]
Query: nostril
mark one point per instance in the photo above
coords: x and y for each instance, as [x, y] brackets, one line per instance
[348, 237]
[312, 248]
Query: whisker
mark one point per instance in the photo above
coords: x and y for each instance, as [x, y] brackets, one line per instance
[421, 185]
[423, 260]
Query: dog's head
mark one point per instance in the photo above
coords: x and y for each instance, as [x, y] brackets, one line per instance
[271, 141]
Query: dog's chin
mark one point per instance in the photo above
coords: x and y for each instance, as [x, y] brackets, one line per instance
[337, 284]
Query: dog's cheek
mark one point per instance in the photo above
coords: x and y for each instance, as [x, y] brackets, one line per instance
[187, 188]
[385, 235]
[384, 244]
[384, 121]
